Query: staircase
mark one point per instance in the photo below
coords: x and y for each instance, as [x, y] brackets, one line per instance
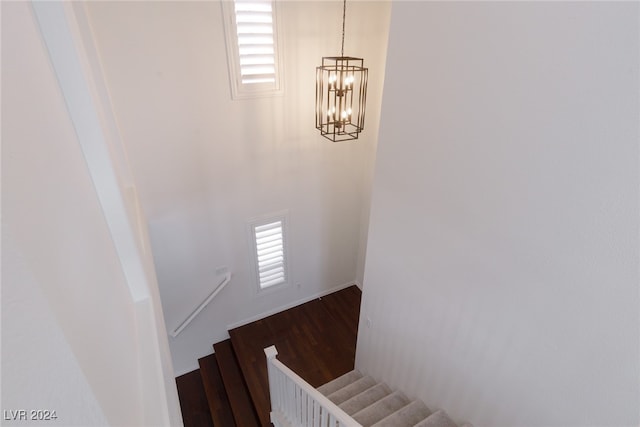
[373, 404]
[316, 343]
[231, 388]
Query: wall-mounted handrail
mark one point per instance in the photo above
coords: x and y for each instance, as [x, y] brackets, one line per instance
[203, 304]
[294, 402]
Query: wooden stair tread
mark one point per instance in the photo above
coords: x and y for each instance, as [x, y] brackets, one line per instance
[218, 400]
[241, 405]
[193, 403]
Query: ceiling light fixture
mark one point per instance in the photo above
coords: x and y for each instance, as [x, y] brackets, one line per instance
[341, 94]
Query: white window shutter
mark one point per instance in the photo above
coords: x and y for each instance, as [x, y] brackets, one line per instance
[270, 253]
[252, 48]
[256, 50]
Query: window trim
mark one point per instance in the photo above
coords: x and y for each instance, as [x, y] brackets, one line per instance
[241, 90]
[265, 220]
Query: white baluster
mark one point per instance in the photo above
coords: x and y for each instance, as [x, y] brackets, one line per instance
[325, 418]
[285, 400]
[280, 391]
[288, 401]
[283, 395]
[298, 405]
[316, 414]
[303, 408]
[294, 404]
[309, 410]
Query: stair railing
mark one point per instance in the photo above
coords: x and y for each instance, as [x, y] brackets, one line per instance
[295, 403]
[203, 304]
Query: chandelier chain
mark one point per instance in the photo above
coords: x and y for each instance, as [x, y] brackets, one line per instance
[344, 14]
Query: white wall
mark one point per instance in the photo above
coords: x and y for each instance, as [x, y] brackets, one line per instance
[502, 269]
[39, 369]
[71, 324]
[205, 164]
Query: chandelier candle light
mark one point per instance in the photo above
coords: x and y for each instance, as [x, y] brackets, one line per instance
[341, 94]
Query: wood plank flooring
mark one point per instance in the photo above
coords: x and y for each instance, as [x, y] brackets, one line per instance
[317, 340]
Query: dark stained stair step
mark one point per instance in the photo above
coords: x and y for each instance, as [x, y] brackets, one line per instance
[193, 403]
[242, 407]
[217, 397]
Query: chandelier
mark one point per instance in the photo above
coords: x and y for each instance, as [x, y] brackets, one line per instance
[341, 94]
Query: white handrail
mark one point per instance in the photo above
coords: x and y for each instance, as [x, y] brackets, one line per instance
[203, 304]
[294, 403]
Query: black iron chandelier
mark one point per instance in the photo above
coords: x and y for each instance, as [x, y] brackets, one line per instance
[341, 94]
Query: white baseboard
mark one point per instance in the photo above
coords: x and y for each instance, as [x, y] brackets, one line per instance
[291, 305]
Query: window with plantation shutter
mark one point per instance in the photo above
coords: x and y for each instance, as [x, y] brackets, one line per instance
[269, 244]
[252, 47]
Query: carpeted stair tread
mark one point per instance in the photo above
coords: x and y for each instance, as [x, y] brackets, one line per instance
[406, 416]
[366, 398]
[351, 390]
[381, 409]
[437, 419]
[340, 382]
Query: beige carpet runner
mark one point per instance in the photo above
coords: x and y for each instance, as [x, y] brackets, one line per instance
[374, 404]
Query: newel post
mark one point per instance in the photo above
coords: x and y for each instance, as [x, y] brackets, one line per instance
[271, 354]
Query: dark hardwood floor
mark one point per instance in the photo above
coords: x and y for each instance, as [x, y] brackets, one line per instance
[317, 340]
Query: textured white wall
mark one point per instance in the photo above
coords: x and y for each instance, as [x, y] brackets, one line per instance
[205, 164]
[70, 327]
[502, 269]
